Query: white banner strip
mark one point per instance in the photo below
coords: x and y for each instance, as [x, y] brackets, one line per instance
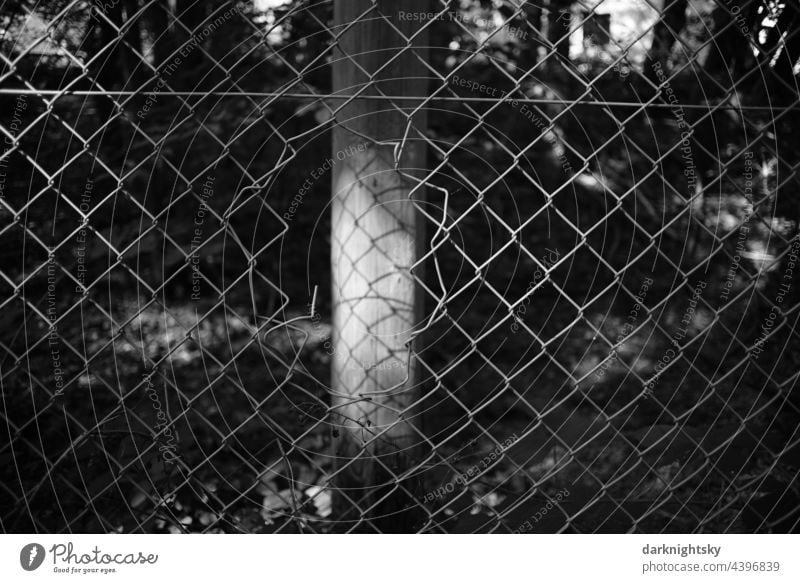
[398, 558]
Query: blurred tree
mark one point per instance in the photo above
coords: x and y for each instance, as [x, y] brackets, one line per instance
[559, 24]
[665, 33]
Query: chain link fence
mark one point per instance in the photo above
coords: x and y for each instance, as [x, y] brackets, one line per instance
[606, 268]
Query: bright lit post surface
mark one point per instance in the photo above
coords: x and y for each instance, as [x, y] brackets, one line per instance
[379, 159]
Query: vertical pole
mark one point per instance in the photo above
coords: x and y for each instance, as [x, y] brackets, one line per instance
[373, 245]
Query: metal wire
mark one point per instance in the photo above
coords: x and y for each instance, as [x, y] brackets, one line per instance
[332, 97]
[609, 337]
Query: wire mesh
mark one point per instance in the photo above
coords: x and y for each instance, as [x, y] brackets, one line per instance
[606, 280]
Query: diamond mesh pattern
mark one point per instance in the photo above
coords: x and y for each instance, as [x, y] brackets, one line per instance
[608, 279]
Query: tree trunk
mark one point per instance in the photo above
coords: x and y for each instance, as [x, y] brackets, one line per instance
[559, 27]
[665, 33]
[374, 235]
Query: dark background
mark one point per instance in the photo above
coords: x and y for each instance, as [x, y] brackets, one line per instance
[712, 449]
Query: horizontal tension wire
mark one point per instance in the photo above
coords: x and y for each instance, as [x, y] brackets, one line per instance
[265, 94]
